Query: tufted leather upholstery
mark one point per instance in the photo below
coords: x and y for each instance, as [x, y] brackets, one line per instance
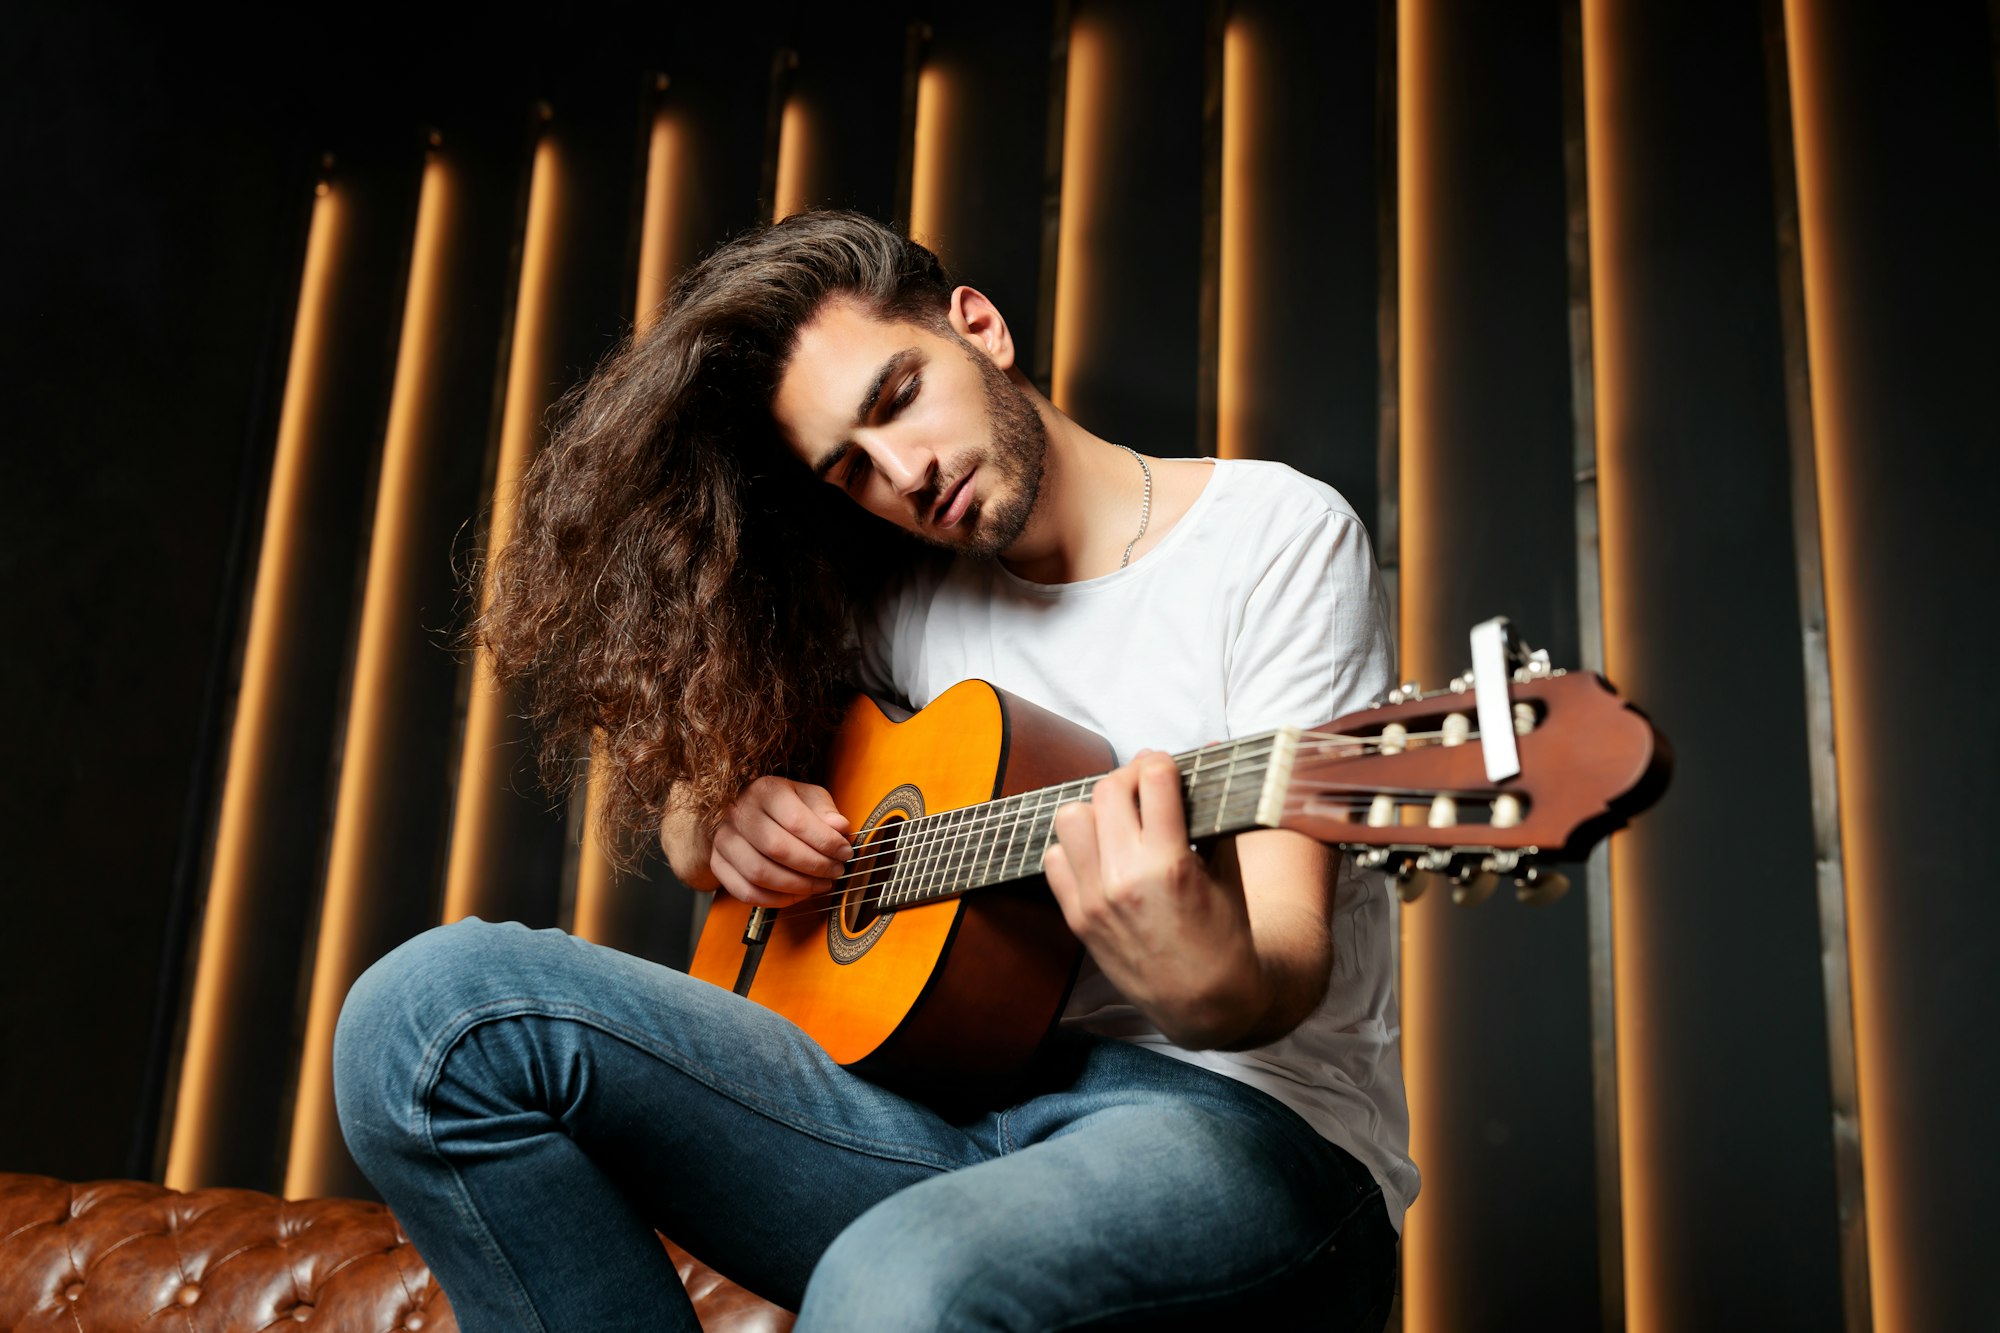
[123, 1255]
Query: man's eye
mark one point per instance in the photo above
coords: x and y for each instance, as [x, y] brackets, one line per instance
[908, 393]
[857, 470]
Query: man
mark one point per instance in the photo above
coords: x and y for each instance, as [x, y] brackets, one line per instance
[1219, 1128]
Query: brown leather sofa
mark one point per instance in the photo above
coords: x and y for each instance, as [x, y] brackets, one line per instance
[119, 1255]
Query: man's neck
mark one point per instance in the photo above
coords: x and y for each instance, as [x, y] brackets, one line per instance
[1088, 509]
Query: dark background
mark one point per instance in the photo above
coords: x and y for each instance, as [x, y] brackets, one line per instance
[159, 172]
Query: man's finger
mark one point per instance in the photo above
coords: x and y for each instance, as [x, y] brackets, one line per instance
[1162, 815]
[1076, 828]
[736, 886]
[796, 815]
[820, 801]
[1061, 876]
[797, 869]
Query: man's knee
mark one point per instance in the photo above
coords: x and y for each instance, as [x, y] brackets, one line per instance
[397, 1011]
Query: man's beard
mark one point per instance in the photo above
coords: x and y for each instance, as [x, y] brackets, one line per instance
[1016, 452]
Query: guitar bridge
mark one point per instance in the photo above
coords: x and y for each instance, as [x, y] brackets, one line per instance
[757, 926]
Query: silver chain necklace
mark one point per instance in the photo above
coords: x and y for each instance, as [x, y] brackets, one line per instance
[1145, 505]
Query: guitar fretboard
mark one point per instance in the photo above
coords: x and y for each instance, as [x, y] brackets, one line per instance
[953, 852]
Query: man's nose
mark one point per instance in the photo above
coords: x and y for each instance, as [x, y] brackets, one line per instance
[907, 467]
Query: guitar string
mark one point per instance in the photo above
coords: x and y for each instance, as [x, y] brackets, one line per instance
[931, 829]
[830, 902]
[824, 902]
[940, 836]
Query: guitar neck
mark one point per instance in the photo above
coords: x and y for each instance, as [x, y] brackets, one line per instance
[1225, 788]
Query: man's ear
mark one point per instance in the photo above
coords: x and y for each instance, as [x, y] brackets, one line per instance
[980, 323]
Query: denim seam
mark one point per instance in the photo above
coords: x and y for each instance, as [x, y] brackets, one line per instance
[462, 1023]
[420, 1110]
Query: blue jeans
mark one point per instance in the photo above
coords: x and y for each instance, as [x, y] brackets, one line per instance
[533, 1107]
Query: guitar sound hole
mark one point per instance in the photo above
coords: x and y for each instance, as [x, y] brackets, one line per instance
[861, 905]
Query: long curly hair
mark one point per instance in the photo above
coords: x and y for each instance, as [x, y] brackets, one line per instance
[677, 594]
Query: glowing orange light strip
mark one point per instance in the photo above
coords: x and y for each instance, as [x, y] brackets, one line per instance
[1239, 225]
[929, 184]
[794, 159]
[219, 969]
[1427, 1279]
[666, 152]
[370, 747]
[658, 228]
[1889, 1275]
[1083, 119]
[1634, 987]
[483, 772]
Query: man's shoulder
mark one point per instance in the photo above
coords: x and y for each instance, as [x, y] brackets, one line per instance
[1279, 501]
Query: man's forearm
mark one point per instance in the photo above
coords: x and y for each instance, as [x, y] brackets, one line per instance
[686, 845]
[1290, 948]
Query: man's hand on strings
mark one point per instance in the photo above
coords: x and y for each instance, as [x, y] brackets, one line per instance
[1170, 935]
[780, 841]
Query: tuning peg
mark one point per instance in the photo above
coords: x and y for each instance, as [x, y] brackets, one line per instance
[1475, 890]
[1472, 883]
[1540, 887]
[1410, 887]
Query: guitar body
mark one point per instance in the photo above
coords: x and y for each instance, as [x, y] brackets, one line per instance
[945, 1000]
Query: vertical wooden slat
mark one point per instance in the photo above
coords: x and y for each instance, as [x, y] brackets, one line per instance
[977, 185]
[270, 834]
[784, 62]
[1831, 877]
[1388, 305]
[1208, 352]
[510, 857]
[1048, 288]
[916, 42]
[375, 722]
[1898, 179]
[1495, 1001]
[648, 913]
[479, 874]
[1590, 648]
[1128, 295]
[1300, 281]
[1692, 485]
[846, 112]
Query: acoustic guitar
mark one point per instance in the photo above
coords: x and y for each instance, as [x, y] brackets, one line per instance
[939, 961]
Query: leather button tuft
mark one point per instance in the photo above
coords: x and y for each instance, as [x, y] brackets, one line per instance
[415, 1323]
[73, 1291]
[188, 1295]
[302, 1313]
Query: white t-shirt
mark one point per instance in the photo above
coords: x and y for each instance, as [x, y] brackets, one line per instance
[1260, 608]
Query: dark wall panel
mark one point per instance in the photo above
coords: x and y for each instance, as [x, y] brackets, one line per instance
[154, 271]
[848, 87]
[1496, 1001]
[1899, 196]
[992, 65]
[1302, 387]
[595, 157]
[1725, 1060]
[1129, 321]
[291, 686]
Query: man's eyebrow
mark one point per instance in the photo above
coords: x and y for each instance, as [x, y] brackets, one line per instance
[832, 459]
[895, 363]
[883, 374]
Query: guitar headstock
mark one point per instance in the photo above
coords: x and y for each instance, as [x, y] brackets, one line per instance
[1407, 786]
